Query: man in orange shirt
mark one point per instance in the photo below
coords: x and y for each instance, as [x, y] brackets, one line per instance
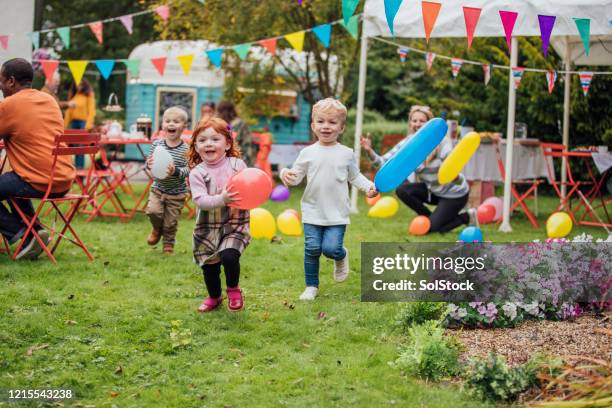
[29, 122]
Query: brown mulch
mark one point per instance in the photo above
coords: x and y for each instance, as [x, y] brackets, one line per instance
[588, 335]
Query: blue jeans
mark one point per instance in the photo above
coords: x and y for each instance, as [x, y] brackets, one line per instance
[79, 159]
[321, 239]
[11, 185]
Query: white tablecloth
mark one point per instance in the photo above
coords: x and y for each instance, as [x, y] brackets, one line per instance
[284, 154]
[603, 161]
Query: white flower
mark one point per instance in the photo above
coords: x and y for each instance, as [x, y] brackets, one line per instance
[509, 310]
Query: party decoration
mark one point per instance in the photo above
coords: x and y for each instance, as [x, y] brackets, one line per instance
[35, 38]
[456, 64]
[498, 204]
[458, 158]
[215, 56]
[294, 212]
[485, 213]
[105, 67]
[133, 66]
[558, 225]
[269, 45]
[385, 207]
[551, 77]
[242, 50]
[471, 16]
[64, 35]
[517, 75]
[253, 187]
[49, 67]
[348, 9]
[585, 81]
[391, 9]
[163, 12]
[323, 33]
[185, 61]
[159, 64]
[352, 26]
[429, 59]
[4, 41]
[97, 29]
[546, 26]
[584, 28]
[403, 53]
[508, 19]
[430, 15]
[127, 22]
[161, 160]
[289, 224]
[262, 224]
[414, 152]
[487, 73]
[471, 234]
[372, 200]
[296, 40]
[77, 68]
[280, 193]
[419, 226]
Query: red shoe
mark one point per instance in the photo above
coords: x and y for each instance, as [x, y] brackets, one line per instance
[209, 304]
[235, 301]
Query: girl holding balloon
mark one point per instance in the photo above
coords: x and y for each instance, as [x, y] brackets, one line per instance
[221, 232]
[424, 187]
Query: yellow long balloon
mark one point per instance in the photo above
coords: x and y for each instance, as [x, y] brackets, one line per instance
[458, 158]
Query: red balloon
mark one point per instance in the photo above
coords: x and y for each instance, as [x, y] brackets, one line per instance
[253, 187]
[485, 213]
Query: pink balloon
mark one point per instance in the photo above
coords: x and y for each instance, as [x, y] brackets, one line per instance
[498, 204]
[253, 187]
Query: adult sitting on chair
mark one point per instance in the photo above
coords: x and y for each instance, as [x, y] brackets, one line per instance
[29, 122]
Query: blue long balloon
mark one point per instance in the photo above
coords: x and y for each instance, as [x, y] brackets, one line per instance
[414, 152]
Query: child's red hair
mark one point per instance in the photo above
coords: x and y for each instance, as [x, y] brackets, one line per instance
[221, 127]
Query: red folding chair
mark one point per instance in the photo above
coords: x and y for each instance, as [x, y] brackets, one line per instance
[530, 184]
[88, 144]
[5, 248]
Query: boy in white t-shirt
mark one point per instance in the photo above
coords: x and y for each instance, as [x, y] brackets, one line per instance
[328, 167]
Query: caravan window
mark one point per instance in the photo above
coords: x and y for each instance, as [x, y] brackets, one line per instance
[167, 97]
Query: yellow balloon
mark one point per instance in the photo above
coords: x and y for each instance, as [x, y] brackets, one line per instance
[262, 224]
[558, 225]
[458, 158]
[385, 207]
[289, 224]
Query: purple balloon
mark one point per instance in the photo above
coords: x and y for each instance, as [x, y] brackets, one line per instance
[280, 193]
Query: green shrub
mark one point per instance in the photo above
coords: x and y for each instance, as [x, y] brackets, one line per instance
[374, 124]
[429, 355]
[420, 312]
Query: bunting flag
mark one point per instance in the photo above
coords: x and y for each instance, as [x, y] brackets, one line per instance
[430, 15]
[4, 41]
[105, 67]
[352, 27]
[546, 26]
[215, 56]
[391, 9]
[133, 66]
[49, 67]
[323, 33]
[348, 9]
[429, 59]
[517, 75]
[584, 28]
[127, 22]
[64, 35]
[456, 64]
[471, 16]
[269, 45]
[163, 12]
[35, 38]
[242, 50]
[403, 53]
[186, 61]
[551, 78]
[508, 19]
[97, 28]
[159, 64]
[296, 40]
[487, 73]
[77, 68]
[585, 81]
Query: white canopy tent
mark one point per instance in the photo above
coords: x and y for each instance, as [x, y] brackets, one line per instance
[408, 23]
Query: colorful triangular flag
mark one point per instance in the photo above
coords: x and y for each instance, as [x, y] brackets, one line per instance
[584, 28]
[163, 12]
[471, 16]
[391, 9]
[215, 56]
[127, 22]
[64, 35]
[242, 50]
[352, 26]
[97, 28]
[487, 73]
[430, 15]
[133, 66]
[185, 61]
[546, 26]
[296, 40]
[4, 41]
[456, 64]
[323, 33]
[517, 75]
[585, 81]
[508, 19]
[35, 38]
[348, 9]
[105, 67]
[49, 67]
[429, 59]
[551, 78]
[77, 68]
[269, 44]
[403, 53]
[159, 64]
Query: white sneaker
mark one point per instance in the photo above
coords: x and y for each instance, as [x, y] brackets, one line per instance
[473, 214]
[310, 293]
[341, 268]
[33, 248]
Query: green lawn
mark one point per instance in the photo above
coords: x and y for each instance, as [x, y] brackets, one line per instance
[104, 328]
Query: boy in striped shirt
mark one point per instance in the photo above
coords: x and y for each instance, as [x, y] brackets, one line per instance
[167, 197]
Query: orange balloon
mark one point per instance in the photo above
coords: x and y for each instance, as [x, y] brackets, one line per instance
[419, 226]
[373, 200]
[253, 187]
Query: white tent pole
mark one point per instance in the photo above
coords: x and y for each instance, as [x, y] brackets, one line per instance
[363, 61]
[505, 225]
[566, 112]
